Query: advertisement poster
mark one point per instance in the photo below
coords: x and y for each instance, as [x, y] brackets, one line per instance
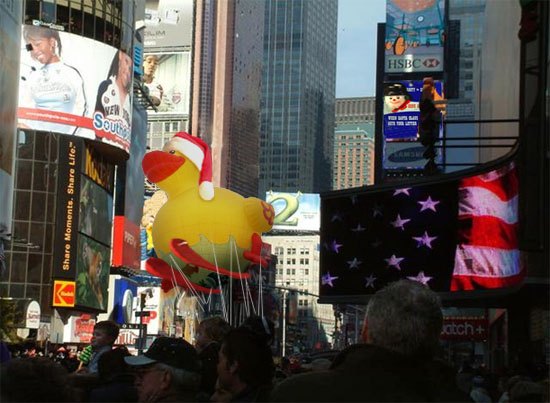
[152, 305]
[92, 273]
[125, 292]
[74, 85]
[401, 108]
[10, 28]
[406, 155]
[295, 211]
[129, 208]
[79, 329]
[164, 76]
[414, 36]
[168, 23]
[96, 211]
[67, 210]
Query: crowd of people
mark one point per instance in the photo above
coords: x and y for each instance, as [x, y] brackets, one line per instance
[399, 362]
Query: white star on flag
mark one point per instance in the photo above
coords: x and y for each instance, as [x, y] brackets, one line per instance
[327, 279]
[428, 204]
[421, 278]
[370, 281]
[336, 217]
[405, 191]
[424, 240]
[354, 264]
[377, 211]
[400, 222]
[359, 228]
[394, 261]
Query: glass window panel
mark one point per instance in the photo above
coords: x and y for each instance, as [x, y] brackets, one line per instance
[22, 205]
[18, 267]
[38, 210]
[34, 268]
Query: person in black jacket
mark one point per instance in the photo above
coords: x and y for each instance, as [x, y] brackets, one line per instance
[116, 378]
[399, 362]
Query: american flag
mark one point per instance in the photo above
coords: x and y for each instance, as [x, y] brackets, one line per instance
[487, 254]
[448, 235]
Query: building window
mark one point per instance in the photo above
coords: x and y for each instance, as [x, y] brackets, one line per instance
[307, 272]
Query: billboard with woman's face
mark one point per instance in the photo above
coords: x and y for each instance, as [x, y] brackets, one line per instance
[75, 85]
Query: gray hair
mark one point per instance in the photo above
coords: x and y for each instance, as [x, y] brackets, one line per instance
[181, 379]
[406, 317]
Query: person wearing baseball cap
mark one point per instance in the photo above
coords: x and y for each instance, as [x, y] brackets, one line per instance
[168, 372]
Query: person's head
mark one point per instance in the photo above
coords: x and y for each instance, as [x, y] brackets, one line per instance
[406, 317]
[44, 44]
[428, 88]
[112, 363]
[210, 330]
[169, 366]
[150, 65]
[33, 380]
[121, 69]
[244, 360]
[260, 325]
[105, 334]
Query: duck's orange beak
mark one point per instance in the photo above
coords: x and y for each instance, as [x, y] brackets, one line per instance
[159, 165]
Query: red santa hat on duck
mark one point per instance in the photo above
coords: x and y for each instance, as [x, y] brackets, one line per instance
[198, 152]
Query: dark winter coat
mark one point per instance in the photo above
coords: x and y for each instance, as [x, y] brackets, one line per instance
[366, 373]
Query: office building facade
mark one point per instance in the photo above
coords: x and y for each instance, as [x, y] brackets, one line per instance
[298, 87]
[226, 89]
[353, 161]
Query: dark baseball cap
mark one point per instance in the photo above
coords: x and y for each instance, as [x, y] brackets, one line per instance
[170, 351]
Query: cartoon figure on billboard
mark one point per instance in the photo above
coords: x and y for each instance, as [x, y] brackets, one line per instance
[54, 85]
[156, 91]
[396, 98]
[414, 24]
[114, 103]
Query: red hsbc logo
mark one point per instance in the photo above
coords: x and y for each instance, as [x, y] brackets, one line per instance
[430, 63]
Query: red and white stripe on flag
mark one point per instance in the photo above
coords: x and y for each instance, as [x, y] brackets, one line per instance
[487, 254]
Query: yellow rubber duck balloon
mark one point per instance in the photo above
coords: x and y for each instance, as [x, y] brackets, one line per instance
[201, 234]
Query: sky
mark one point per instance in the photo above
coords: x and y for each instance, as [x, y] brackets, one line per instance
[356, 53]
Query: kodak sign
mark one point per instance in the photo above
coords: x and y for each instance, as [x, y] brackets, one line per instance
[64, 293]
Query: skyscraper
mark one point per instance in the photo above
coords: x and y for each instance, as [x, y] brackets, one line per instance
[298, 87]
[226, 88]
[353, 163]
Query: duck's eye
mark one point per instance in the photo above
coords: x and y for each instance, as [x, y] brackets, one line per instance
[172, 151]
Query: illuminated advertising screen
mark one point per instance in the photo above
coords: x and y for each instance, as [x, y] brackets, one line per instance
[401, 108]
[405, 155]
[414, 36]
[129, 208]
[123, 303]
[92, 273]
[168, 23]
[82, 241]
[73, 85]
[10, 28]
[458, 235]
[167, 77]
[295, 211]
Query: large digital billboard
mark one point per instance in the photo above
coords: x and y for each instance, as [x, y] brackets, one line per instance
[457, 235]
[73, 85]
[295, 211]
[168, 23]
[10, 27]
[166, 77]
[414, 36]
[82, 239]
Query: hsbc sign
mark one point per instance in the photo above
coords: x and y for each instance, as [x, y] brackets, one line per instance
[413, 63]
